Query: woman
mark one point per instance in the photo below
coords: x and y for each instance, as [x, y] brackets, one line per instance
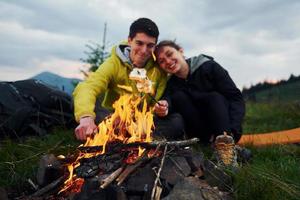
[202, 92]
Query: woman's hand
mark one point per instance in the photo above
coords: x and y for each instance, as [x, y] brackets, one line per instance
[161, 109]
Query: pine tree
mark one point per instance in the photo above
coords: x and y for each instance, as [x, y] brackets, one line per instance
[96, 55]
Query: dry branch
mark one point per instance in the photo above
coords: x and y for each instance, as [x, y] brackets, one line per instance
[49, 187]
[111, 178]
[130, 168]
[156, 190]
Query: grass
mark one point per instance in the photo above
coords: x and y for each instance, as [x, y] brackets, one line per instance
[266, 117]
[19, 159]
[273, 173]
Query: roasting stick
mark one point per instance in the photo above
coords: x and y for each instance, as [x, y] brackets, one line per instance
[128, 89]
[153, 99]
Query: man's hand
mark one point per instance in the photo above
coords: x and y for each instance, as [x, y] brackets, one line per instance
[161, 109]
[86, 127]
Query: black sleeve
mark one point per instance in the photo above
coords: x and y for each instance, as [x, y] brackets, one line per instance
[225, 85]
[168, 94]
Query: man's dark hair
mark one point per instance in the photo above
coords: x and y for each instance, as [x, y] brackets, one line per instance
[144, 25]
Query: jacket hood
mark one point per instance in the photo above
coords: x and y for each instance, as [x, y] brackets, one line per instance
[197, 61]
[122, 51]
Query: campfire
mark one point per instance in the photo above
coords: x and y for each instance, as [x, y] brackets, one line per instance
[122, 161]
[131, 123]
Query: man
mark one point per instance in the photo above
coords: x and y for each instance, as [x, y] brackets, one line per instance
[143, 36]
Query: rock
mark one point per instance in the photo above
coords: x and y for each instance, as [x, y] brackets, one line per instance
[3, 194]
[49, 170]
[194, 188]
[175, 169]
[185, 190]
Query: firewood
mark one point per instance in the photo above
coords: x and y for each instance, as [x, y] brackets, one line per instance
[49, 187]
[156, 190]
[111, 177]
[179, 143]
[130, 168]
[147, 145]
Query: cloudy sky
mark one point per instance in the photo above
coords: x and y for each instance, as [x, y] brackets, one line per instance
[254, 40]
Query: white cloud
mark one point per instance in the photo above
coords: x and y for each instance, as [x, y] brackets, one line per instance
[252, 39]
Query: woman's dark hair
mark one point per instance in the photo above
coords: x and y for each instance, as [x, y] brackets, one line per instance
[144, 25]
[164, 43]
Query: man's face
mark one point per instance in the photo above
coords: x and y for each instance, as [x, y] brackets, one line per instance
[142, 47]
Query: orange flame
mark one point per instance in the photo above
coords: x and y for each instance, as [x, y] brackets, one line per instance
[131, 122]
[127, 124]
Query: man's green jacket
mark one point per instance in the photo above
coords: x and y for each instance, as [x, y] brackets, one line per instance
[113, 72]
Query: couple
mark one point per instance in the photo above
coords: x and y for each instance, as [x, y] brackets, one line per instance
[199, 98]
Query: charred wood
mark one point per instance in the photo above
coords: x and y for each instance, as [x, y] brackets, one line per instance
[49, 187]
[99, 164]
[120, 146]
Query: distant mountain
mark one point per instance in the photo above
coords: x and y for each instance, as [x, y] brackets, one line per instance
[282, 91]
[62, 83]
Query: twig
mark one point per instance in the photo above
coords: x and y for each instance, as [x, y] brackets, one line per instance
[128, 170]
[154, 169]
[35, 187]
[49, 187]
[111, 177]
[179, 143]
[158, 191]
[155, 190]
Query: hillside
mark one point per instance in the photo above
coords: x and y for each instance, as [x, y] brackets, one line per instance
[283, 91]
[62, 83]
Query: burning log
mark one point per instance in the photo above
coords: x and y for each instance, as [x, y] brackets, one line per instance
[116, 152]
[179, 143]
[93, 165]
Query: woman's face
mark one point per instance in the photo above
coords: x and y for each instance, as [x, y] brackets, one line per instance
[170, 59]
